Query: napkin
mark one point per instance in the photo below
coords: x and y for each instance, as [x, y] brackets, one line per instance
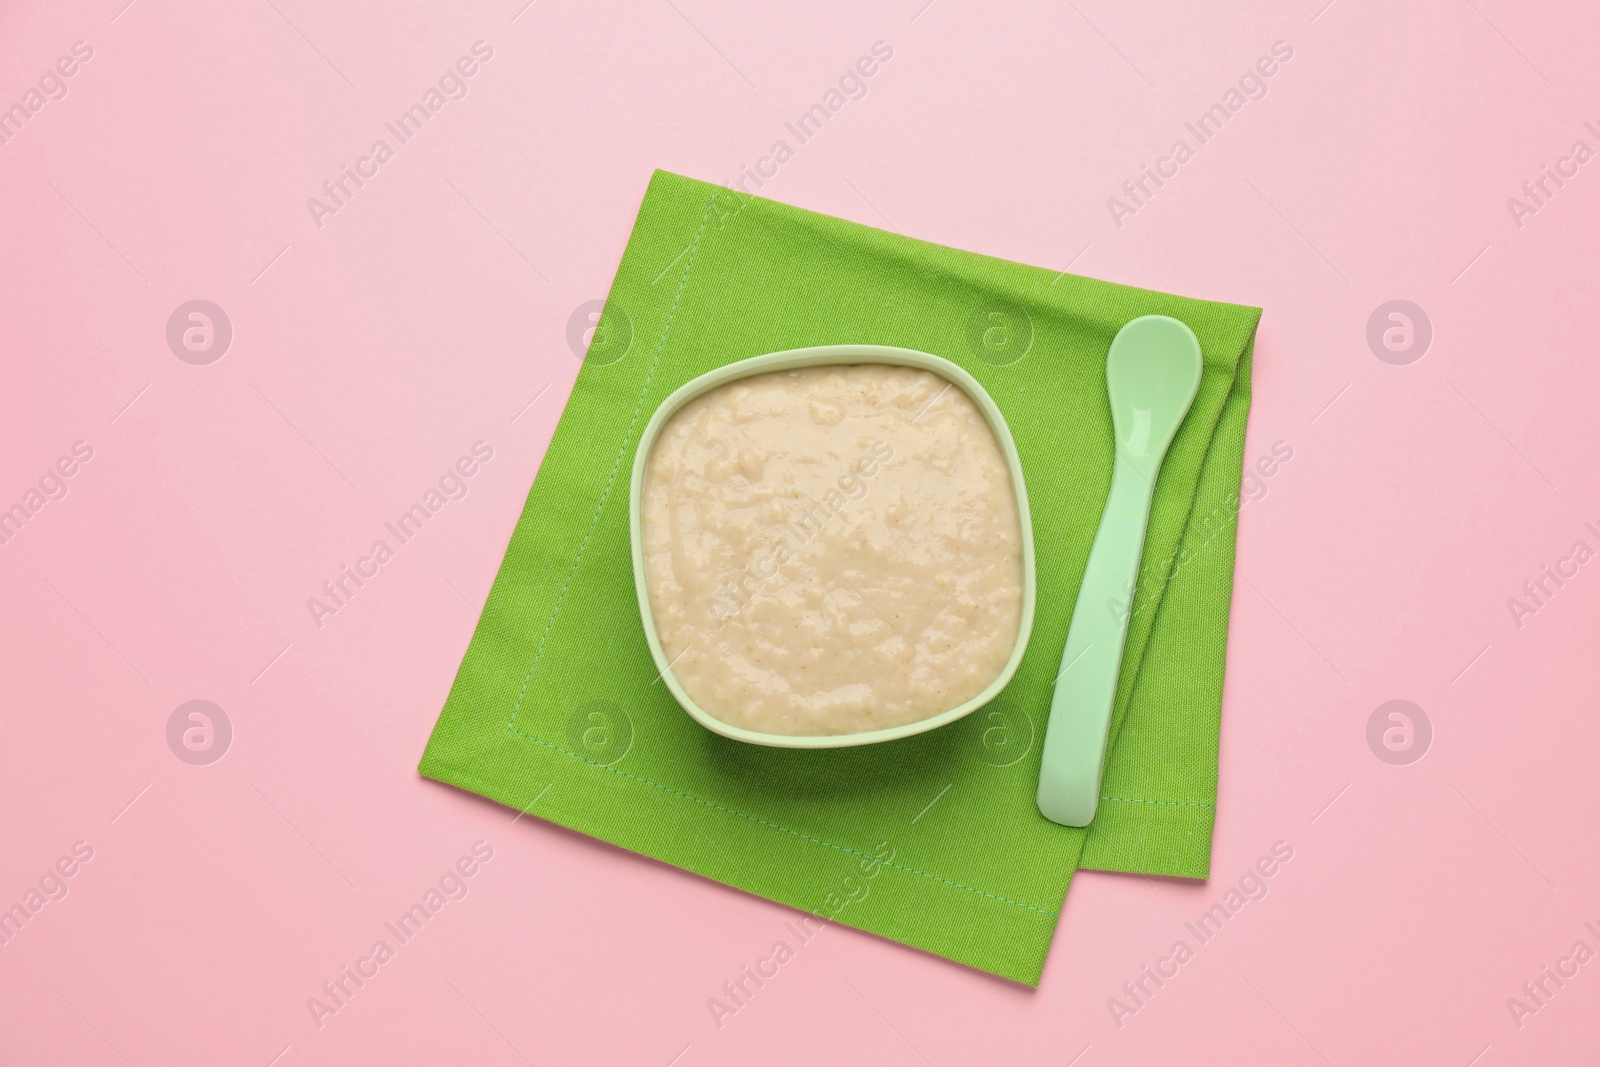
[933, 841]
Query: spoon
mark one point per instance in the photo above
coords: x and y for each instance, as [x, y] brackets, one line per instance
[1152, 374]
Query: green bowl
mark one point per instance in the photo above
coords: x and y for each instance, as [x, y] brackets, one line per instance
[830, 355]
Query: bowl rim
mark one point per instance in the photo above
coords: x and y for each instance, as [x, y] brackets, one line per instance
[820, 356]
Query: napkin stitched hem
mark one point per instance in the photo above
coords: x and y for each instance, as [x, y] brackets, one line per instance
[774, 826]
[1166, 803]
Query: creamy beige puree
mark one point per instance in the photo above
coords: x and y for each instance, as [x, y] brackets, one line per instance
[832, 550]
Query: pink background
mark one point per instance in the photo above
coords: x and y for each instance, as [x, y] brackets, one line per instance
[429, 312]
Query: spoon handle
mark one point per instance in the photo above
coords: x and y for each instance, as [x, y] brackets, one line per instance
[1086, 688]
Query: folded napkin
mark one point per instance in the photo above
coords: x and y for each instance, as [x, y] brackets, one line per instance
[935, 840]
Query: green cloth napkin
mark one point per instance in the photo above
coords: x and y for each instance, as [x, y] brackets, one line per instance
[933, 841]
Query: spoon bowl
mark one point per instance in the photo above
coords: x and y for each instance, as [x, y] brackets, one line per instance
[1152, 373]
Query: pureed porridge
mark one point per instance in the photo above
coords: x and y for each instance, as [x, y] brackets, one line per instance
[832, 550]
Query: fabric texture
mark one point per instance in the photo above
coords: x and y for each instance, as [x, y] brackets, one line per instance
[934, 841]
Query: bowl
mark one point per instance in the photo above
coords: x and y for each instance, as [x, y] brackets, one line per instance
[830, 355]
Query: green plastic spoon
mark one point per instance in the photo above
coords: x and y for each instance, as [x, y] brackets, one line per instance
[1152, 374]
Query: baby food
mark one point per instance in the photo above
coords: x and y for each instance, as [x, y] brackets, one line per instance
[832, 550]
